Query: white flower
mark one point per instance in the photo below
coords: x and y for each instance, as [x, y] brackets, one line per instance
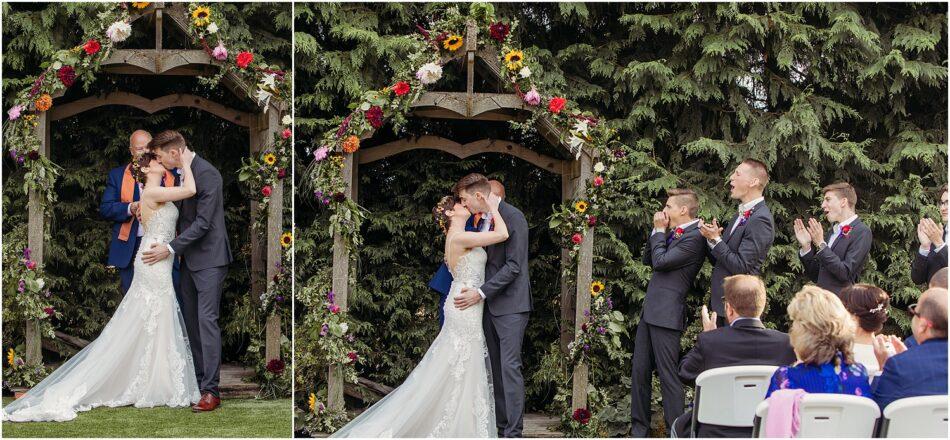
[287, 120]
[429, 73]
[212, 28]
[576, 144]
[119, 31]
[263, 98]
[599, 167]
[40, 283]
[581, 127]
[268, 81]
[344, 327]
[524, 72]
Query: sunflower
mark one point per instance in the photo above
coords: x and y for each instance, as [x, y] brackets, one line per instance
[312, 402]
[453, 43]
[11, 356]
[270, 159]
[201, 16]
[140, 5]
[514, 59]
[287, 239]
[596, 288]
[581, 206]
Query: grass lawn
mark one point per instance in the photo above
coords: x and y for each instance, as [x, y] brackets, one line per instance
[235, 418]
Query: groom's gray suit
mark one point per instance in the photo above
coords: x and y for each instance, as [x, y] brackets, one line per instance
[507, 292]
[202, 244]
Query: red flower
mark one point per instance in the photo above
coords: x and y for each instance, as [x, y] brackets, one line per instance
[49, 311]
[499, 31]
[275, 366]
[334, 309]
[339, 197]
[67, 75]
[845, 230]
[286, 133]
[281, 173]
[584, 327]
[577, 238]
[581, 415]
[266, 191]
[598, 181]
[352, 356]
[401, 88]
[31, 265]
[678, 232]
[91, 47]
[33, 155]
[244, 59]
[556, 104]
[375, 116]
[592, 221]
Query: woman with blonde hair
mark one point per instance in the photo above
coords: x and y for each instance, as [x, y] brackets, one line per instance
[822, 334]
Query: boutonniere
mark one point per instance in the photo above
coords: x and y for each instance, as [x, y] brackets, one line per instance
[678, 233]
[745, 217]
[845, 230]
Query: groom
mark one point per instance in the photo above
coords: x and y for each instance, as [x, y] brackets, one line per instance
[202, 244]
[507, 295]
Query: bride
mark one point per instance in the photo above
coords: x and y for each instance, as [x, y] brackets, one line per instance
[142, 357]
[449, 393]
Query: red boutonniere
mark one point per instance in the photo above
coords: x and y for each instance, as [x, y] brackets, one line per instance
[678, 233]
[745, 217]
[845, 230]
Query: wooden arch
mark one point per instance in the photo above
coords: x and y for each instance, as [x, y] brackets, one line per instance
[262, 127]
[469, 105]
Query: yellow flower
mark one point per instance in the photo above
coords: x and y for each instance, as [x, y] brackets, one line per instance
[596, 288]
[312, 402]
[581, 206]
[201, 16]
[270, 159]
[514, 59]
[287, 239]
[11, 356]
[140, 5]
[453, 43]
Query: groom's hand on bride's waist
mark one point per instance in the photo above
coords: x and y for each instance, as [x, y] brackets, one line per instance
[466, 298]
[155, 253]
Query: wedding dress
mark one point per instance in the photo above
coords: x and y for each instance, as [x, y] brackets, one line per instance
[141, 358]
[449, 393]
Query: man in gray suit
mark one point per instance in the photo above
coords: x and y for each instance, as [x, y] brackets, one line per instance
[507, 296]
[202, 244]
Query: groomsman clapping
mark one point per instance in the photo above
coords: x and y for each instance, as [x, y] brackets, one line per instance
[932, 255]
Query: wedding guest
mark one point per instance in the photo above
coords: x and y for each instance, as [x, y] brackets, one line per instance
[822, 333]
[837, 262]
[932, 254]
[120, 204]
[675, 251]
[868, 306]
[750, 235]
[939, 279]
[745, 341]
[920, 370]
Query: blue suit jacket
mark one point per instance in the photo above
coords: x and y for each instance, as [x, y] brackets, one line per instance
[442, 280]
[919, 371]
[113, 209]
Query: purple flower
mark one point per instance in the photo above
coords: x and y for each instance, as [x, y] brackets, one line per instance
[14, 112]
[47, 293]
[587, 313]
[321, 153]
[343, 126]
[326, 201]
[13, 154]
[586, 347]
[601, 330]
[27, 252]
[19, 362]
[318, 194]
[350, 338]
[610, 304]
[21, 286]
[532, 97]
[324, 330]
[220, 53]
[331, 297]
[20, 160]
[280, 298]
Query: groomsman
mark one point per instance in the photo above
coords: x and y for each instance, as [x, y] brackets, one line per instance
[675, 251]
[932, 254]
[441, 282]
[838, 262]
[750, 235]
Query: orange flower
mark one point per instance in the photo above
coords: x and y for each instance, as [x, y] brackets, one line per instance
[44, 102]
[351, 144]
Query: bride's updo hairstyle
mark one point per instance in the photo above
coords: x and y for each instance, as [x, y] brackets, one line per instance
[139, 163]
[439, 212]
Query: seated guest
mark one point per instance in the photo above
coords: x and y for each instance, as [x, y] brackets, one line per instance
[868, 306]
[920, 370]
[745, 341]
[932, 254]
[939, 280]
[836, 262]
[822, 333]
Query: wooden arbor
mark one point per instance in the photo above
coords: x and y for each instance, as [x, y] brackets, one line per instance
[160, 62]
[473, 106]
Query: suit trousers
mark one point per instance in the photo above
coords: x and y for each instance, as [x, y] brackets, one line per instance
[655, 347]
[505, 336]
[126, 273]
[200, 301]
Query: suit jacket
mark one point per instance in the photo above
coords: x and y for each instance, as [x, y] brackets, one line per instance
[919, 371]
[112, 208]
[442, 280]
[507, 285]
[840, 265]
[747, 342]
[923, 268]
[675, 267]
[741, 252]
[203, 239]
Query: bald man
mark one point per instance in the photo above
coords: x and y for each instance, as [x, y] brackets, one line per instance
[120, 204]
[939, 279]
[920, 370]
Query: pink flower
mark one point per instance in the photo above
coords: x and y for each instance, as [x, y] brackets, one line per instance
[334, 308]
[321, 153]
[598, 181]
[352, 356]
[266, 191]
[577, 238]
[532, 97]
[31, 265]
[49, 311]
[14, 112]
[220, 53]
[286, 134]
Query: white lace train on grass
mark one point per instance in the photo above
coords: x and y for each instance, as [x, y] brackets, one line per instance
[449, 394]
[141, 358]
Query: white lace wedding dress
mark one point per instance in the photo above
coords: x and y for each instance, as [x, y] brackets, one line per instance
[449, 393]
[141, 358]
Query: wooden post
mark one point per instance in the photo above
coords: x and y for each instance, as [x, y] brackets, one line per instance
[341, 278]
[584, 277]
[275, 228]
[567, 284]
[471, 46]
[36, 236]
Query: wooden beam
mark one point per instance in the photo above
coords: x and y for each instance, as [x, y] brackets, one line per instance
[584, 278]
[151, 106]
[462, 151]
[258, 249]
[568, 289]
[441, 113]
[36, 240]
[158, 28]
[275, 228]
[471, 46]
[341, 282]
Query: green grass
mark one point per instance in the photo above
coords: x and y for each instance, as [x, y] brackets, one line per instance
[235, 418]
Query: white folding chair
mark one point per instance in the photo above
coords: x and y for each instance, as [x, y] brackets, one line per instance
[924, 416]
[826, 415]
[728, 396]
